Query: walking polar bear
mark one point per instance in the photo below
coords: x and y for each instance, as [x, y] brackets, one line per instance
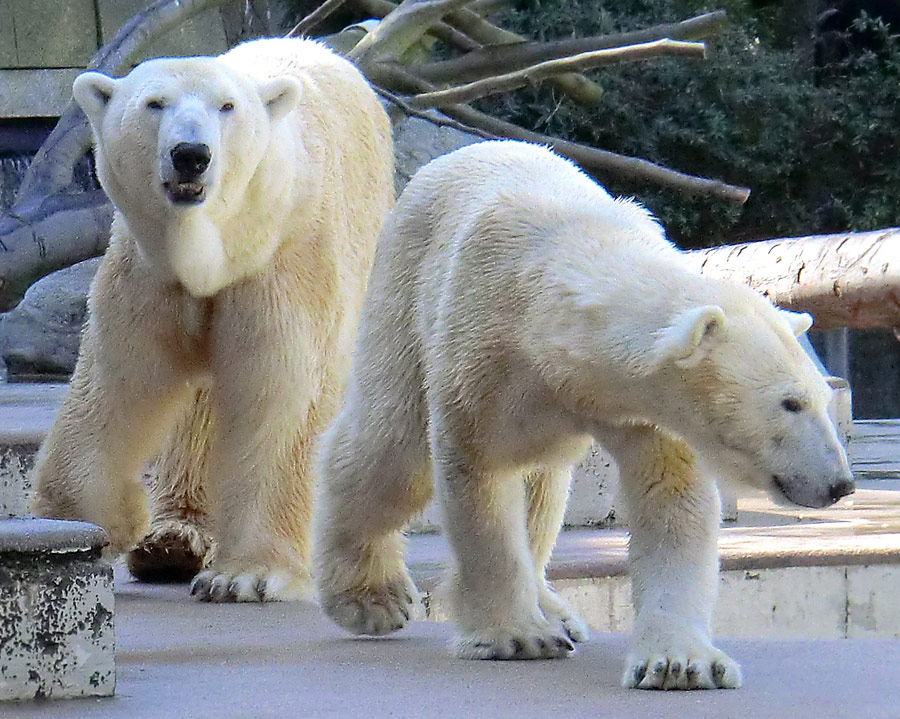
[249, 189]
[516, 310]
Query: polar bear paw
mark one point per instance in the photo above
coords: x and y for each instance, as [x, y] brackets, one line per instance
[536, 641]
[173, 551]
[374, 610]
[260, 584]
[556, 610]
[681, 667]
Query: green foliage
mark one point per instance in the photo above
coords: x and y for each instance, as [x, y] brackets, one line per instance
[818, 148]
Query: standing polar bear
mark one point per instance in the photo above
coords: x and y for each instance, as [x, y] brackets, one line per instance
[249, 189]
[515, 311]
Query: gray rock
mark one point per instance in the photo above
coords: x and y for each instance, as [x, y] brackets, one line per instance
[41, 335]
[418, 141]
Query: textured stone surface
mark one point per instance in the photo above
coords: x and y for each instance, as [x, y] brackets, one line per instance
[418, 141]
[16, 463]
[41, 335]
[56, 611]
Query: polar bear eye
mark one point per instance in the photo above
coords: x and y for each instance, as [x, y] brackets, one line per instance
[227, 107]
[792, 404]
[155, 104]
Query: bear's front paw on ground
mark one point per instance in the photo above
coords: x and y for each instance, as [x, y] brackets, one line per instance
[534, 641]
[252, 584]
[683, 665]
[374, 610]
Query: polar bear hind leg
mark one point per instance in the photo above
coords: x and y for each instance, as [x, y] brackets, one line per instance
[546, 490]
[179, 542]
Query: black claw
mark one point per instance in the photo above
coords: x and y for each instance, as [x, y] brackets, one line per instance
[640, 671]
[718, 670]
[659, 668]
[541, 643]
[692, 670]
[405, 613]
[482, 645]
[261, 588]
[562, 643]
[518, 648]
[232, 590]
[200, 588]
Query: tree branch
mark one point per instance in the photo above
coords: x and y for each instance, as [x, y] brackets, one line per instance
[847, 280]
[501, 58]
[441, 30]
[480, 32]
[590, 158]
[542, 71]
[303, 27]
[402, 28]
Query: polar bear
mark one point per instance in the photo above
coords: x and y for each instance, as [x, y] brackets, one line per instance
[249, 190]
[515, 311]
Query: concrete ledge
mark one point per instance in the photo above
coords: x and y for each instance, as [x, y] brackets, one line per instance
[56, 611]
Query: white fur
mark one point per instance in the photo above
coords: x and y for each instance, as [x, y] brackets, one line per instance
[251, 296]
[516, 310]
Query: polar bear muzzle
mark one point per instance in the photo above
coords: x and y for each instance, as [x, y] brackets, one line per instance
[190, 161]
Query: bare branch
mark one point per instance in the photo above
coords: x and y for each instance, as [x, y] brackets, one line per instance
[508, 57]
[542, 71]
[435, 118]
[479, 31]
[590, 158]
[402, 28]
[441, 30]
[303, 27]
[846, 280]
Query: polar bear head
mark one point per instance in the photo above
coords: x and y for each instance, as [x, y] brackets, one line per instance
[191, 152]
[759, 406]
[170, 131]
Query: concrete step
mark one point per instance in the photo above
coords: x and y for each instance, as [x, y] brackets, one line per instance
[56, 611]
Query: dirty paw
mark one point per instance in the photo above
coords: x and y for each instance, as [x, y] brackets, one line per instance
[374, 610]
[682, 668]
[533, 642]
[260, 584]
[171, 552]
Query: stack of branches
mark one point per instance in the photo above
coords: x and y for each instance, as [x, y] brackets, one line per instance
[50, 226]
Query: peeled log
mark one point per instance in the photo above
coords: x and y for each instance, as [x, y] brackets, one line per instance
[847, 280]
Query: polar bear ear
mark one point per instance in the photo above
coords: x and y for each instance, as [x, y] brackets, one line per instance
[280, 96]
[688, 340]
[92, 91]
[800, 322]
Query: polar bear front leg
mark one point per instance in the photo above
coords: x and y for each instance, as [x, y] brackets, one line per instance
[124, 393]
[494, 591]
[673, 514]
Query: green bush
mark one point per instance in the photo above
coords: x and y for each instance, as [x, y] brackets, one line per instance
[817, 148]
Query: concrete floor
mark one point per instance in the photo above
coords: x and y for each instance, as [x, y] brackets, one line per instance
[180, 659]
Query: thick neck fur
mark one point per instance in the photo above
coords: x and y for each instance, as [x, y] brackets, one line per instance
[231, 235]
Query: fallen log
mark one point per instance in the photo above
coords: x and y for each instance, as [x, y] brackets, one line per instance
[846, 280]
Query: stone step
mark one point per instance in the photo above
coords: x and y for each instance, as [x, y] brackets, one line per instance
[56, 611]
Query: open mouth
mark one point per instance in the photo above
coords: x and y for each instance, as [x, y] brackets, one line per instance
[185, 193]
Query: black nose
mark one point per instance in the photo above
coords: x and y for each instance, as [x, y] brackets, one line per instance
[841, 489]
[190, 159]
